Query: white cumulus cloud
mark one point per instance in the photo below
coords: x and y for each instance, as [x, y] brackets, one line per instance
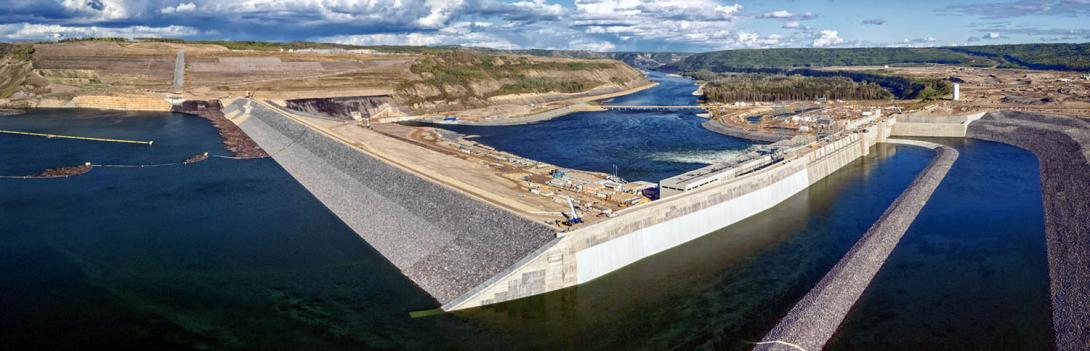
[31, 31]
[184, 7]
[778, 14]
[828, 38]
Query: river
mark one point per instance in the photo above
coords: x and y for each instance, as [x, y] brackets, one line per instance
[235, 254]
[643, 145]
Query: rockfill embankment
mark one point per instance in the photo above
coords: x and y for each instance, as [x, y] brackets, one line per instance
[810, 324]
[1062, 146]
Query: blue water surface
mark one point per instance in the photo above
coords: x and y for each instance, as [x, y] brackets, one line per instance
[235, 254]
[643, 145]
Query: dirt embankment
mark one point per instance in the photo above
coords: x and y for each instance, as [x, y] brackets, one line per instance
[1062, 146]
[460, 81]
[234, 139]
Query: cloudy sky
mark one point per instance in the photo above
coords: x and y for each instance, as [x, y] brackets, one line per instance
[602, 25]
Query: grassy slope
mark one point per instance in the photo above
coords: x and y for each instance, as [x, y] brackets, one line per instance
[15, 67]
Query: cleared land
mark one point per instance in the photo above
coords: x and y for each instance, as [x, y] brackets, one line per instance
[421, 82]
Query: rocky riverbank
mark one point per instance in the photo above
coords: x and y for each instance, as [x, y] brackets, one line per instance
[1062, 146]
[815, 318]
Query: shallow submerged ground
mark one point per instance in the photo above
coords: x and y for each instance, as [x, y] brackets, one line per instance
[231, 254]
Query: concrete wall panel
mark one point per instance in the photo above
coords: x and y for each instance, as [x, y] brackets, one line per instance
[601, 259]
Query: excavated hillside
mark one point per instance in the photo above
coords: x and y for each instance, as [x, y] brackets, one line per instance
[416, 81]
[461, 79]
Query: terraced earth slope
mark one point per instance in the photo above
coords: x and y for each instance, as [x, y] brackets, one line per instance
[438, 79]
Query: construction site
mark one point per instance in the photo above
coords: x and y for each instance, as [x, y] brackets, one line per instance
[474, 226]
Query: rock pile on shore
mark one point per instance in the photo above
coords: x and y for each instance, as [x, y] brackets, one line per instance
[1062, 146]
[234, 140]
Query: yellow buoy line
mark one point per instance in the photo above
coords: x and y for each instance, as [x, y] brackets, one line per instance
[77, 137]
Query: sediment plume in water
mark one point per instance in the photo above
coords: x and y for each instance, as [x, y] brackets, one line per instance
[234, 139]
[810, 324]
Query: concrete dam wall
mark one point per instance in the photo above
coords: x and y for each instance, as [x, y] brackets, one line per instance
[934, 126]
[815, 318]
[590, 252]
[441, 239]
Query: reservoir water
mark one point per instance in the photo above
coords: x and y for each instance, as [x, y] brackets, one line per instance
[644, 145]
[230, 254]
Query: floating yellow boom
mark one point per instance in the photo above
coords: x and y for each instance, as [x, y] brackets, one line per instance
[77, 137]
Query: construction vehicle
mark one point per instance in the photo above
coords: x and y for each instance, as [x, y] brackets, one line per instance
[573, 217]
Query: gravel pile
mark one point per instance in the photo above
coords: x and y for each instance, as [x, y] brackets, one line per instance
[1062, 146]
[815, 318]
[443, 240]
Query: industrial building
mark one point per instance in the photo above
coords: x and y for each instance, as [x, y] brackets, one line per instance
[726, 170]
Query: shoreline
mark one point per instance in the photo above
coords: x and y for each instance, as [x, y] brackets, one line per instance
[581, 105]
[11, 111]
[233, 138]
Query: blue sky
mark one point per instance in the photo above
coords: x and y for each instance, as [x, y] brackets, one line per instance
[600, 25]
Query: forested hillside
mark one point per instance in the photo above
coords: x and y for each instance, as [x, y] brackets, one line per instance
[728, 88]
[468, 78]
[1074, 57]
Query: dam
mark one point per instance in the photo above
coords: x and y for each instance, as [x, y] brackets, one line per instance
[467, 253]
[274, 246]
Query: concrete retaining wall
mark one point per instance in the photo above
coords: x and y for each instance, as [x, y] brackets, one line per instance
[127, 103]
[598, 249]
[933, 126]
[444, 241]
[812, 321]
